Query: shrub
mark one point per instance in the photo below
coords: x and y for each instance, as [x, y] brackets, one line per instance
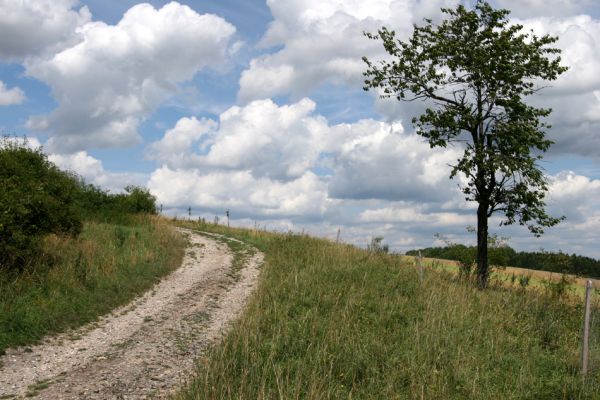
[139, 200]
[36, 199]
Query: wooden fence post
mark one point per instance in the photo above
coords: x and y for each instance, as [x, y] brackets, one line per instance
[586, 329]
[420, 265]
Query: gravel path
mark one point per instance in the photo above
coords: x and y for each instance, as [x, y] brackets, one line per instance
[147, 348]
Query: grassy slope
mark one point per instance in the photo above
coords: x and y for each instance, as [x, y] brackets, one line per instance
[332, 321]
[81, 279]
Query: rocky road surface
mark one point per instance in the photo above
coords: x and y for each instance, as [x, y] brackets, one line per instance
[147, 348]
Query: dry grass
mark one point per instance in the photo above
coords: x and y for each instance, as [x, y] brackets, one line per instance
[75, 280]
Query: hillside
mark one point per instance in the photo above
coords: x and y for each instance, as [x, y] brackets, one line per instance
[333, 321]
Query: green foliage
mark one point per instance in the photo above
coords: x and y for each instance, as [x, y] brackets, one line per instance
[138, 200]
[560, 288]
[36, 199]
[330, 321]
[99, 205]
[474, 69]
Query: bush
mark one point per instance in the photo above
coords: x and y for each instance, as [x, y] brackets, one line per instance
[36, 199]
[138, 200]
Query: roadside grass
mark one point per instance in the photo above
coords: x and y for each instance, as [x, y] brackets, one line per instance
[330, 321]
[77, 280]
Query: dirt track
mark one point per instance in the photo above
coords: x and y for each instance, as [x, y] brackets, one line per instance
[145, 349]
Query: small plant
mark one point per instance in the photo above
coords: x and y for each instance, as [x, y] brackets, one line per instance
[377, 246]
[524, 281]
[560, 288]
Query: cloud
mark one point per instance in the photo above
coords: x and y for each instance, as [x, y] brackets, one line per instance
[322, 42]
[367, 159]
[381, 161]
[536, 8]
[10, 96]
[415, 214]
[575, 96]
[116, 75]
[175, 148]
[34, 27]
[304, 198]
[269, 161]
[92, 171]
[277, 142]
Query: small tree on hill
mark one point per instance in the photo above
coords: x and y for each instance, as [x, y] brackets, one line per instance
[474, 69]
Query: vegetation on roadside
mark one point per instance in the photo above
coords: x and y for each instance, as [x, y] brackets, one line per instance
[77, 279]
[37, 198]
[70, 251]
[333, 321]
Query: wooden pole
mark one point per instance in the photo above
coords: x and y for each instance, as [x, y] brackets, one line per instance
[586, 329]
[420, 265]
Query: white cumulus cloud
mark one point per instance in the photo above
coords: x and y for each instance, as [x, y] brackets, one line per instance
[92, 171]
[31, 28]
[322, 42]
[116, 75]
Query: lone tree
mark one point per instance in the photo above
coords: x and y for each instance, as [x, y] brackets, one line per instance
[474, 70]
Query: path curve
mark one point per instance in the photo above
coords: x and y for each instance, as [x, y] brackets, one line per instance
[147, 348]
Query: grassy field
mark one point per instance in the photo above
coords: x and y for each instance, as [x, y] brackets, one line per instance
[332, 321]
[535, 278]
[77, 280]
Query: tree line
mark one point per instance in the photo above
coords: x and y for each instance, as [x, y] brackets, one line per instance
[505, 256]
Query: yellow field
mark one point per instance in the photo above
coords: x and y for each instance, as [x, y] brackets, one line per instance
[537, 277]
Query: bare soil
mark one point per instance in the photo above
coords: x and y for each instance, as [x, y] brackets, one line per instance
[147, 348]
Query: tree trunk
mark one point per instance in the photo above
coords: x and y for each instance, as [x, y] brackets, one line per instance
[482, 246]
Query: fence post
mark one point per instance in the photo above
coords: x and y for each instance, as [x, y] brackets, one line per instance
[420, 265]
[586, 329]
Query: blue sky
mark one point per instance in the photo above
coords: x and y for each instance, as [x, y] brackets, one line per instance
[258, 107]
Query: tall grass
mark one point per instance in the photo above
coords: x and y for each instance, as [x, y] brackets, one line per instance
[75, 280]
[332, 321]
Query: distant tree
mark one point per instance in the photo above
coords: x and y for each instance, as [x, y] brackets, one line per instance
[474, 70]
[139, 200]
[377, 246]
[36, 198]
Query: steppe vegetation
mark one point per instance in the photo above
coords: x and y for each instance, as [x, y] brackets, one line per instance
[333, 321]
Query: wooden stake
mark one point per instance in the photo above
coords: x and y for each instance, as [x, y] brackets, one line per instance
[420, 265]
[586, 329]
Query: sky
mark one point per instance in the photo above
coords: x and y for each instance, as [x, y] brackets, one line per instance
[257, 108]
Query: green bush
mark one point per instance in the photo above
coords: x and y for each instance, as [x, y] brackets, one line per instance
[36, 199]
[138, 200]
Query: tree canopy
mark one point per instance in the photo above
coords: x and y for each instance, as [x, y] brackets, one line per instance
[474, 71]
